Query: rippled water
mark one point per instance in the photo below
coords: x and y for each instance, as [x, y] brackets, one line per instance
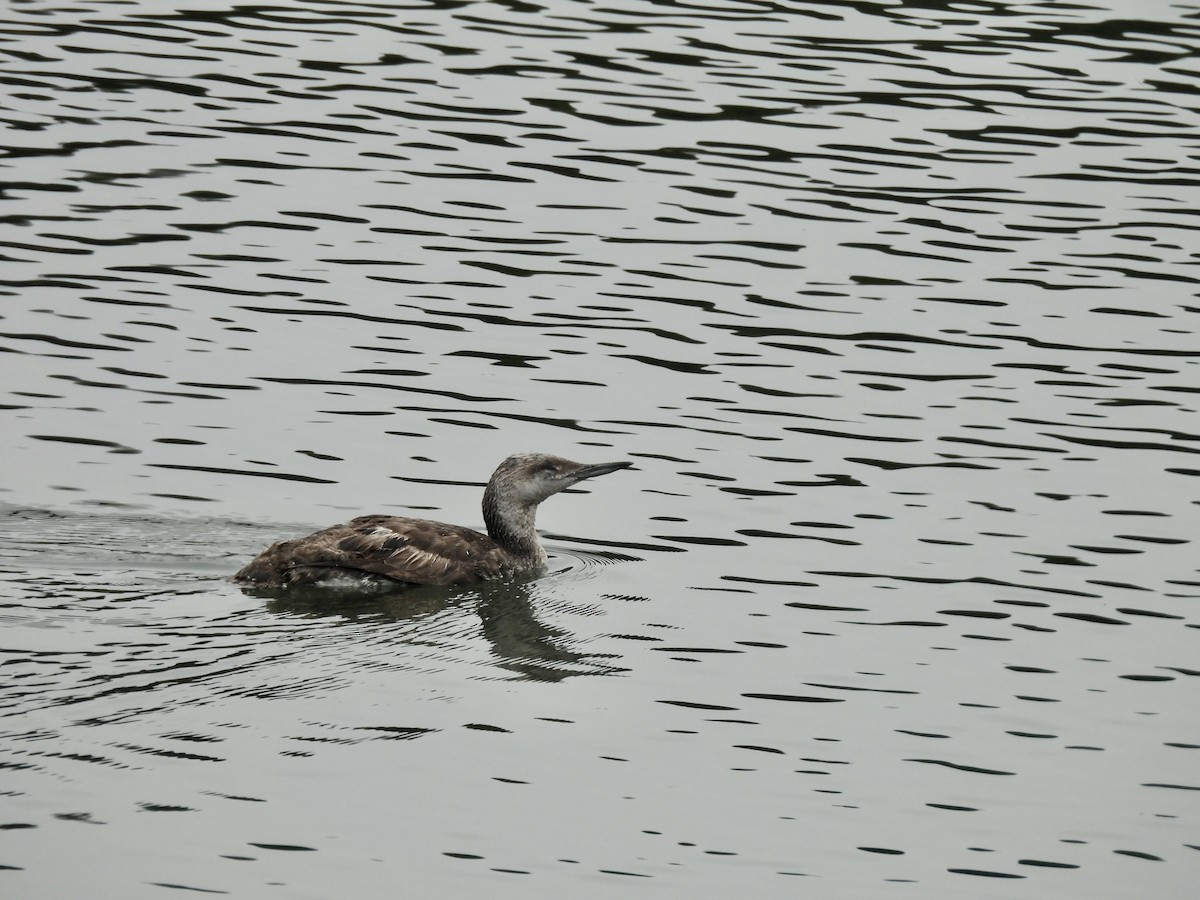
[894, 306]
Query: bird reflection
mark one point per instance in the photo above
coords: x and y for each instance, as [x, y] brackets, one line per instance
[528, 646]
[508, 611]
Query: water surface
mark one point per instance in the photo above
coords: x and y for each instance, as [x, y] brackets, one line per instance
[893, 306]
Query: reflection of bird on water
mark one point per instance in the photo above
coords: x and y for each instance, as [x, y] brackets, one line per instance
[418, 622]
[389, 549]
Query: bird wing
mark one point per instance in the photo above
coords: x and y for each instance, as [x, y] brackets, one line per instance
[421, 551]
[411, 550]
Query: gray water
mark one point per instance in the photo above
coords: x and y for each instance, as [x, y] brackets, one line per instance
[893, 306]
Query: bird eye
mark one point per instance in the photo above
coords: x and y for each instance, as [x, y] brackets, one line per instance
[548, 467]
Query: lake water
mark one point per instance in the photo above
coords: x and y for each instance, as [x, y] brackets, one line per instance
[894, 307]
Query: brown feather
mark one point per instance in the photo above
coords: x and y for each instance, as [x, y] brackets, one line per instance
[416, 551]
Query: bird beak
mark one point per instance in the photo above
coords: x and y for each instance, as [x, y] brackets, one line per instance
[599, 469]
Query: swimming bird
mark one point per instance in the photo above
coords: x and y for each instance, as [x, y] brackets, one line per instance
[381, 549]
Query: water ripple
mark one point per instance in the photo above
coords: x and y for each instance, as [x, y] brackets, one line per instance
[894, 304]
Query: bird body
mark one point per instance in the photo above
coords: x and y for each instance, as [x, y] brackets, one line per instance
[379, 549]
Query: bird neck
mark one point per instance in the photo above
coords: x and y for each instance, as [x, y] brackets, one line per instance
[511, 524]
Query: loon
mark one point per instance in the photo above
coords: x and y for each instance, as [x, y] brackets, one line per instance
[381, 549]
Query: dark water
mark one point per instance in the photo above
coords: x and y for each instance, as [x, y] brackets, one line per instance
[893, 305]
